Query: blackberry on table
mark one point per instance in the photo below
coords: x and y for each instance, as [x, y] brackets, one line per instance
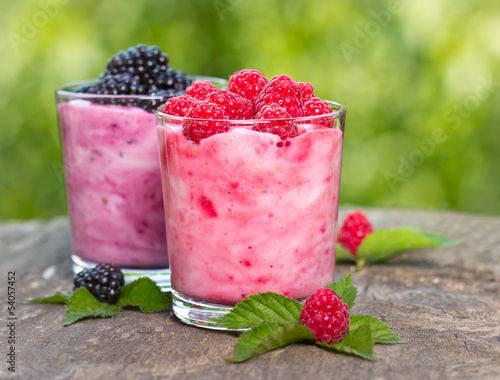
[105, 282]
[139, 70]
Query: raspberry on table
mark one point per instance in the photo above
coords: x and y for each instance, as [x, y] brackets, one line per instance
[354, 230]
[283, 128]
[200, 89]
[307, 91]
[212, 121]
[326, 315]
[179, 106]
[247, 83]
[236, 106]
[283, 91]
[104, 282]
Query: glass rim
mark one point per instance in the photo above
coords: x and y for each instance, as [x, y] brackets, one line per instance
[341, 111]
[64, 90]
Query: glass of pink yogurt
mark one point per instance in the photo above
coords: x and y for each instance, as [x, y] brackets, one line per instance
[113, 182]
[248, 212]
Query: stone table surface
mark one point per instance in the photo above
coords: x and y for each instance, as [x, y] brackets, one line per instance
[444, 302]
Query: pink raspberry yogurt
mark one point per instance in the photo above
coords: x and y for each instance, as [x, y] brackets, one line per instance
[248, 213]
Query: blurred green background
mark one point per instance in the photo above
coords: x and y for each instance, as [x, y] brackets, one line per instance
[420, 80]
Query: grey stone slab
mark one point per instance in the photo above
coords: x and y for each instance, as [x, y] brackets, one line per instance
[444, 302]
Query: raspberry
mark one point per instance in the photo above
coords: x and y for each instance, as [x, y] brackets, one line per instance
[283, 91]
[326, 315]
[200, 89]
[355, 228]
[197, 130]
[179, 106]
[236, 106]
[316, 106]
[307, 91]
[282, 128]
[104, 282]
[272, 111]
[247, 83]
[206, 110]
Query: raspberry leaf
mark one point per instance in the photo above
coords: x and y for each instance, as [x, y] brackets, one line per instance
[440, 239]
[381, 332]
[144, 294]
[357, 342]
[58, 297]
[383, 244]
[342, 255]
[267, 337]
[82, 304]
[261, 308]
[345, 290]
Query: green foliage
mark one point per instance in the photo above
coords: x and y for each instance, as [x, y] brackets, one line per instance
[357, 342]
[345, 290]
[261, 308]
[146, 295]
[142, 293]
[84, 305]
[58, 297]
[420, 83]
[267, 337]
[381, 332]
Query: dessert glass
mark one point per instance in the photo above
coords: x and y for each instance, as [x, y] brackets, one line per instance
[113, 182]
[248, 212]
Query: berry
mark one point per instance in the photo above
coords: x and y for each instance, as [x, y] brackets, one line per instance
[247, 83]
[307, 91]
[283, 91]
[206, 110]
[138, 60]
[200, 89]
[179, 106]
[316, 106]
[104, 282]
[355, 228]
[272, 111]
[326, 315]
[283, 128]
[197, 130]
[236, 106]
[140, 70]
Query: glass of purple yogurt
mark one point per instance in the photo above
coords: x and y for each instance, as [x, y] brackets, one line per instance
[113, 183]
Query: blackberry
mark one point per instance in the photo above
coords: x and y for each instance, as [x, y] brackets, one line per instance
[104, 282]
[139, 70]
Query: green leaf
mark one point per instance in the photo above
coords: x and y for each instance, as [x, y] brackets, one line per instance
[342, 255]
[440, 239]
[381, 332]
[261, 308]
[144, 294]
[357, 342]
[267, 337]
[345, 290]
[82, 305]
[58, 297]
[383, 244]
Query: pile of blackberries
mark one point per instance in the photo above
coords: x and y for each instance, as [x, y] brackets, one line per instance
[139, 70]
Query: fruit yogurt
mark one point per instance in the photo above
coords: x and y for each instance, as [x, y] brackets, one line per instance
[248, 212]
[113, 184]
